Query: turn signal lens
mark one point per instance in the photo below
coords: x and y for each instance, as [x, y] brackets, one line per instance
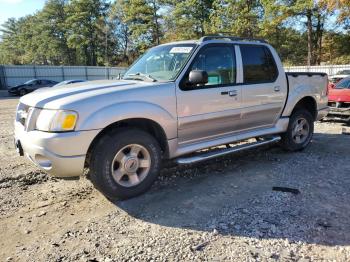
[69, 121]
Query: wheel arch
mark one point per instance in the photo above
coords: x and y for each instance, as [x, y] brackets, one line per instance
[147, 125]
[308, 103]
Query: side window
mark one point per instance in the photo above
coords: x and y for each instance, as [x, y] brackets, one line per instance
[343, 84]
[219, 62]
[258, 64]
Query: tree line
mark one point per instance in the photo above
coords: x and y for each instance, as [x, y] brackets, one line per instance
[101, 32]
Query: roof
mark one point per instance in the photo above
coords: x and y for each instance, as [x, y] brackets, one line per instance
[220, 39]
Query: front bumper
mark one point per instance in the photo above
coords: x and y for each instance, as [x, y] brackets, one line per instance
[338, 113]
[59, 154]
[12, 92]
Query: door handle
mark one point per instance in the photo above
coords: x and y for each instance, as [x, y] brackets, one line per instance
[230, 93]
[276, 88]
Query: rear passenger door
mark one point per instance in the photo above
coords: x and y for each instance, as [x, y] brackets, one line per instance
[264, 88]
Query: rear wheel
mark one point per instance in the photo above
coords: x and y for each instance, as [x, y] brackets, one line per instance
[300, 131]
[125, 163]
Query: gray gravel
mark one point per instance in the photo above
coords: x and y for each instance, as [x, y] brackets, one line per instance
[220, 210]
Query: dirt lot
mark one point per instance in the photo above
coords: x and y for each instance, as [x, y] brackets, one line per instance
[220, 210]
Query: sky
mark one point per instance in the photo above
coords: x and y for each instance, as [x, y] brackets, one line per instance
[18, 8]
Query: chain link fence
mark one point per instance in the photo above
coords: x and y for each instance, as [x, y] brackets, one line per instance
[11, 75]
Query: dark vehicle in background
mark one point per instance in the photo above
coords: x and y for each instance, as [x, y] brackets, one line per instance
[68, 82]
[339, 101]
[30, 86]
[63, 83]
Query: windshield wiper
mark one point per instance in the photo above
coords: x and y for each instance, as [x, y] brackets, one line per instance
[147, 76]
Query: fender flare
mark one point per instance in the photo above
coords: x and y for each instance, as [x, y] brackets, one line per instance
[296, 96]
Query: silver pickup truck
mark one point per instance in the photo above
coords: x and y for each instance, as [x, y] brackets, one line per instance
[178, 101]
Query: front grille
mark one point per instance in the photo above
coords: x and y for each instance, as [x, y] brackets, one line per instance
[22, 113]
[339, 104]
[332, 104]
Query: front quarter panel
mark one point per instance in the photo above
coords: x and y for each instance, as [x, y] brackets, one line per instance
[128, 110]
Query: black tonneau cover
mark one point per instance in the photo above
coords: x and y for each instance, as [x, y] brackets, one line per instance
[296, 74]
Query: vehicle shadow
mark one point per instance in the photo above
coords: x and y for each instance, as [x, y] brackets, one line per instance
[9, 97]
[234, 195]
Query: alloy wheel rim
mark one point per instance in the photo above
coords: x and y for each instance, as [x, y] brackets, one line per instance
[131, 165]
[300, 131]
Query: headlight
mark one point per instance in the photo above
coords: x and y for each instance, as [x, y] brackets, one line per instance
[55, 120]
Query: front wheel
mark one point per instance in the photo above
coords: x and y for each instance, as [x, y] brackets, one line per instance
[300, 131]
[125, 163]
[22, 92]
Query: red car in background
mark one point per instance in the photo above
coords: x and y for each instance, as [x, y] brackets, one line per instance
[339, 100]
[334, 79]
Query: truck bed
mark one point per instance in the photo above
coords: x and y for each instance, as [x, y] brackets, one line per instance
[313, 84]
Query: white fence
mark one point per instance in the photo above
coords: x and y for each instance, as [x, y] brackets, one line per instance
[329, 69]
[11, 75]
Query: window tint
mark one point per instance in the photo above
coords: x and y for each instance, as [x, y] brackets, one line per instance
[258, 64]
[343, 84]
[219, 62]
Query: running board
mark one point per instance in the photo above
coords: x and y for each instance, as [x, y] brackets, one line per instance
[222, 152]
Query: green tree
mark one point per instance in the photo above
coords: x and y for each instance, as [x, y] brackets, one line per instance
[53, 33]
[85, 23]
[10, 52]
[138, 25]
[238, 17]
[188, 19]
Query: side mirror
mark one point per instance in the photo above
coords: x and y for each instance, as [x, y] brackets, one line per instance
[198, 77]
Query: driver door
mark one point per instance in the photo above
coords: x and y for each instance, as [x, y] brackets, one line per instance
[212, 110]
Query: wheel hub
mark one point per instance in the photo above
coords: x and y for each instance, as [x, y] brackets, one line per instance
[300, 131]
[131, 164]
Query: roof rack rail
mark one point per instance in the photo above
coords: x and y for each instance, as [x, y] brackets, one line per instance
[232, 38]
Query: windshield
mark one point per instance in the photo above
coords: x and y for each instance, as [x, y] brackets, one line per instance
[345, 83]
[161, 63]
[344, 72]
[61, 83]
[30, 81]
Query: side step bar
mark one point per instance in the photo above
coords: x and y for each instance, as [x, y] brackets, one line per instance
[222, 152]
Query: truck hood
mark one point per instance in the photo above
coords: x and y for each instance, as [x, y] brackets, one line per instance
[58, 97]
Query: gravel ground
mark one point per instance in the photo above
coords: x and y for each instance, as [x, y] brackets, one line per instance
[220, 210]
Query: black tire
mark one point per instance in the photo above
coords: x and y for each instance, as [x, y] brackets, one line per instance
[289, 140]
[22, 92]
[103, 161]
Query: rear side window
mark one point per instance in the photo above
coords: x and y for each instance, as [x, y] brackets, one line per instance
[258, 64]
